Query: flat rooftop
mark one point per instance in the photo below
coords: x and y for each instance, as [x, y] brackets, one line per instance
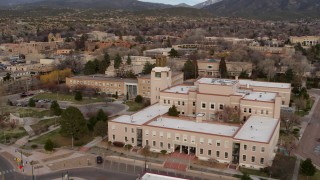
[216, 81]
[264, 84]
[258, 129]
[180, 89]
[104, 78]
[193, 126]
[144, 115]
[150, 176]
[260, 96]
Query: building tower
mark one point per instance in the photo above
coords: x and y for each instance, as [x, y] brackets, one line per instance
[161, 78]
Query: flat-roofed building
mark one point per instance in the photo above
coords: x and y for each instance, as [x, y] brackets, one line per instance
[251, 144]
[305, 40]
[210, 68]
[105, 84]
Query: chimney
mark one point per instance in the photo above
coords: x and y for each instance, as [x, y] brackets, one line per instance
[200, 117]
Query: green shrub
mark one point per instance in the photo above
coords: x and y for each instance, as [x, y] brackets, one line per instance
[163, 152]
[138, 99]
[48, 146]
[34, 146]
[127, 146]
[78, 96]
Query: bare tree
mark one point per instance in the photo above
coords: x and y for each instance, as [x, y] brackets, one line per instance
[289, 120]
[229, 114]
[300, 103]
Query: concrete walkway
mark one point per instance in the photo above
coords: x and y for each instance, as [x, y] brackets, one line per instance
[51, 128]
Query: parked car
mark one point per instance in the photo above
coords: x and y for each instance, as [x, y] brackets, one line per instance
[99, 160]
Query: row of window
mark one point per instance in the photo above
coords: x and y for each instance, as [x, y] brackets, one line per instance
[255, 111]
[253, 159]
[253, 148]
[212, 106]
[94, 83]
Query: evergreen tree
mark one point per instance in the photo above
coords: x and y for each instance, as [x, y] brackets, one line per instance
[31, 103]
[117, 61]
[223, 68]
[128, 60]
[173, 111]
[173, 53]
[101, 116]
[127, 96]
[48, 146]
[78, 96]
[90, 68]
[106, 58]
[307, 168]
[147, 68]
[7, 77]
[138, 99]
[189, 70]
[169, 42]
[55, 108]
[116, 96]
[73, 123]
[101, 129]
[289, 75]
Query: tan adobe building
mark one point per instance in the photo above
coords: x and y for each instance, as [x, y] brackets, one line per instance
[305, 40]
[196, 131]
[250, 145]
[105, 84]
[64, 51]
[210, 96]
[210, 68]
[144, 83]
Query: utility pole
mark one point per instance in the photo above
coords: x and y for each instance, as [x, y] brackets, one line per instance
[32, 170]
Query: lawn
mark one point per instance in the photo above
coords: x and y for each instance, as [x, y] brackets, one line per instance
[60, 141]
[68, 97]
[253, 172]
[35, 113]
[133, 106]
[10, 134]
[315, 177]
[44, 124]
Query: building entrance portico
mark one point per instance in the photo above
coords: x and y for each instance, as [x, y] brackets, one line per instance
[184, 149]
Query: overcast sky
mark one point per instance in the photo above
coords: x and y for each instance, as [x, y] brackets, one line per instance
[190, 2]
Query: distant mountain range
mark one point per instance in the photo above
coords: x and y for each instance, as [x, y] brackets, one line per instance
[267, 9]
[206, 3]
[257, 9]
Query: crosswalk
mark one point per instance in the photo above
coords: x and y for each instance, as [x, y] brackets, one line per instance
[7, 171]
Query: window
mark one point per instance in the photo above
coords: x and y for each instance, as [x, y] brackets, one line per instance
[244, 157]
[209, 152]
[125, 129]
[226, 155]
[249, 110]
[168, 135]
[113, 137]
[125, 139]
[262, 149]
[193, 139]
[132, 140]
[154, 133]
[154, 143]
[221, 106]
[201, 151]
[132, 130]
[147, 142]
[218, 143]
[253, 148]
[177, 137]
[169, 146]
[218, 153]
[210, 67]
[203, 105]
[212, 116]
[245, 110]
[245, 147]
[267, 112]
[212, 106]
[185, 139]
[261, 160]
[253, 159]
[158, 74]
[161, 144]
[201, 140]
[147, 132]
[164, 101]
[168, 101]
[179, 103]
[283, 102]
[261, 111]
[161, 134]
[194, 103]
[209, 141]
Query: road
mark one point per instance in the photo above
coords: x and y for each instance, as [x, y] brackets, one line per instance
[311, 136]
[85, 173]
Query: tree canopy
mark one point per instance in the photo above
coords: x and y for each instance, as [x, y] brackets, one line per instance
[189, 69]
[73, 123]
[223, 68]
[55, 108]
[307, 168]
[173, 53]
[173, 111]
[117, 61]
[147, 68]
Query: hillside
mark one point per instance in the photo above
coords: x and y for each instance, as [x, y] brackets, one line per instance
[96, 4]
[267, 9]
